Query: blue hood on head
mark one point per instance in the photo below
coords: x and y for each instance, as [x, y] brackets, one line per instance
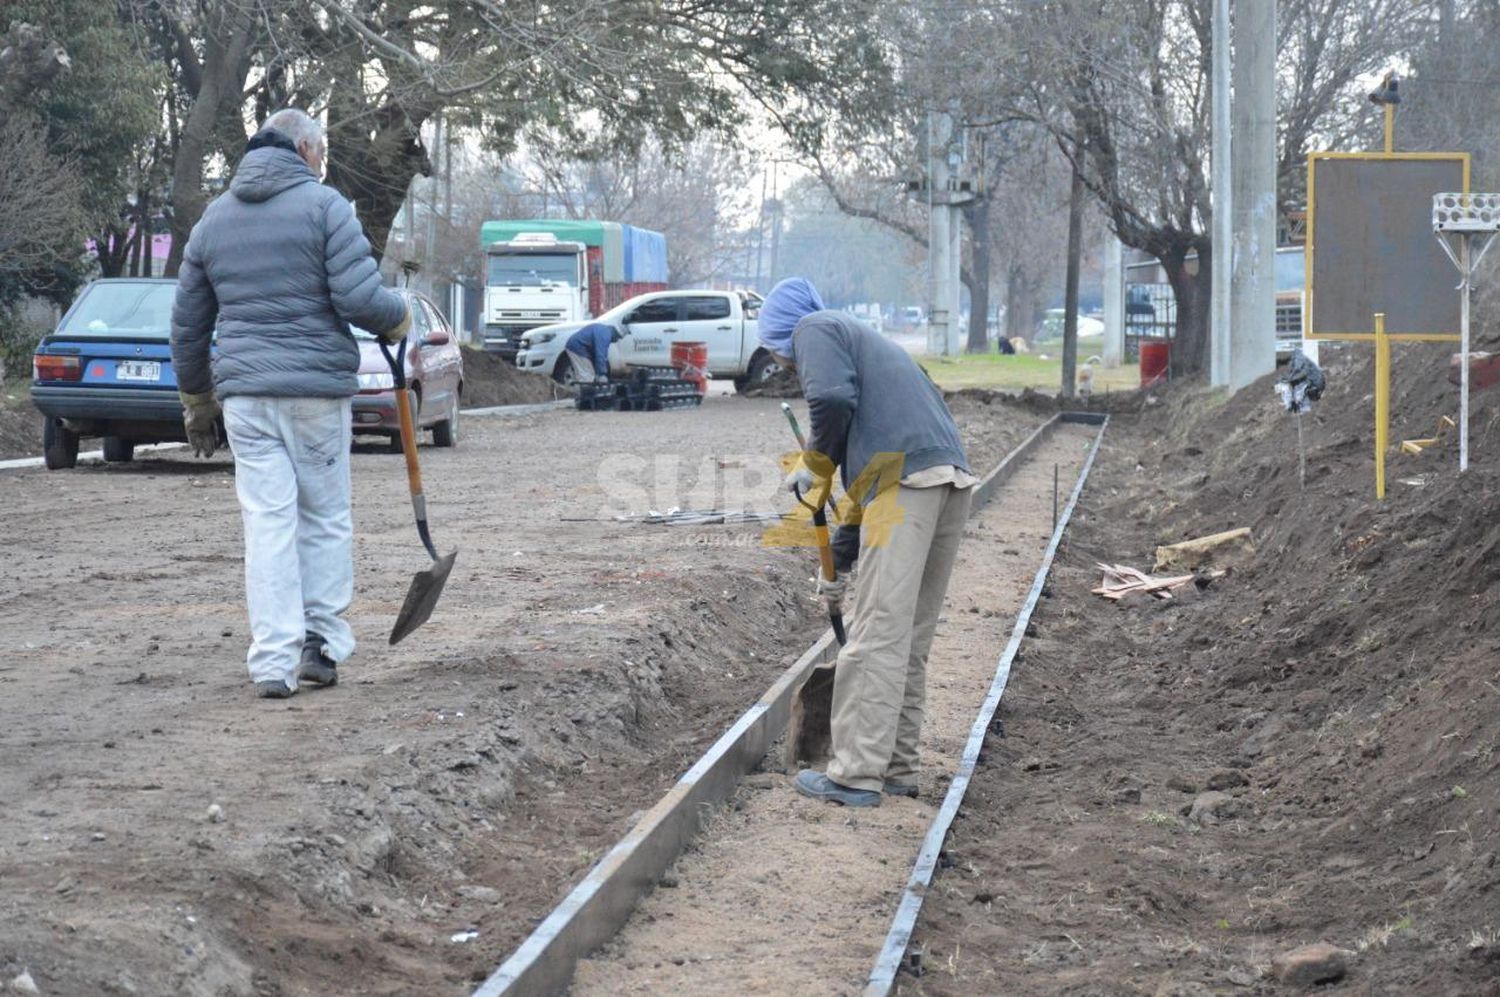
[789, 302]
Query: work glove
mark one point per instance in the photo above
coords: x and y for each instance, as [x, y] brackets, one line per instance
[200, 416]
[397, 332]
[812, 478]
[832, 592]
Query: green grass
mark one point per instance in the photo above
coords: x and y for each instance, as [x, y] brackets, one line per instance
[1027, 370]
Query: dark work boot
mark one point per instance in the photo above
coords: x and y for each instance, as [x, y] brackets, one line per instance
[820, 787]
[274, 689]
[895, 787]
[314, 667]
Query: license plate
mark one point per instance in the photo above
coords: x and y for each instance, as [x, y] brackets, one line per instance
[138, 370]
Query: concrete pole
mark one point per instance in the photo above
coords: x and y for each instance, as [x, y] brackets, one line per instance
[1223, 218]
[1252, 331]
[956, 330]
[1114, 302]
[940, 313]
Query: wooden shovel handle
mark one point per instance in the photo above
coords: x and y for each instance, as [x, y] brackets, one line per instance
[404, 417]
[408, 439]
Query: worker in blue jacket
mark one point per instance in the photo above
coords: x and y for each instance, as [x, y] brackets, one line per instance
[588, 349]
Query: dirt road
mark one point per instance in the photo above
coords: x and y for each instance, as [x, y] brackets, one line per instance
[459, 782]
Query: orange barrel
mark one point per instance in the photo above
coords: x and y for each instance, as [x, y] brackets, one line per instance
[692, 360]
[1154, 359]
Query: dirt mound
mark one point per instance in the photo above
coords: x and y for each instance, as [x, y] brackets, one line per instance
[1336, 695]
[20, 429]
[1047, 403]
[491, 380]
[781, 384]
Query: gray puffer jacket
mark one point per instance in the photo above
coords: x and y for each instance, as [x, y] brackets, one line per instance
[281, 265]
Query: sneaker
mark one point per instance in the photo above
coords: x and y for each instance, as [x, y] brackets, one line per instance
[274, 689]
[894, 788]
[315, 667]
[820, 787]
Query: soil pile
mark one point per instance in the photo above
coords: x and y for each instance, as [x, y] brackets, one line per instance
[1302, 751]
[490, 380]
[20, 429]
[781, 384]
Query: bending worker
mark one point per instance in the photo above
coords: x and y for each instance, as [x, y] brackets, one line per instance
[280, 265]
[588, 350]
[876, 416]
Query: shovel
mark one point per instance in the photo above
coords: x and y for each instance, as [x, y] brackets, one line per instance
[428, 584]
[810, 730]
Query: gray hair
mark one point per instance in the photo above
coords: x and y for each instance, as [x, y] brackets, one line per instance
[297, 125]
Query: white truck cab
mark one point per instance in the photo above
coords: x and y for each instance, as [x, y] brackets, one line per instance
[532, 280]
[650, 323]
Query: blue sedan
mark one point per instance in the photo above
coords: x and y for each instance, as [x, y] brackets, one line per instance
[106, 371]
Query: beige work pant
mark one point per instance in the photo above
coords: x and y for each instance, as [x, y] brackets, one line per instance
[880, 684]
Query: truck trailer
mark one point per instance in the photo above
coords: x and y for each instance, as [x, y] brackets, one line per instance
[542, 271]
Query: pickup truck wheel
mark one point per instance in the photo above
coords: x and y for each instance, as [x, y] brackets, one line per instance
[118, 451]
[445, 433]
[563, 373]
[59, 445]
[761, 369]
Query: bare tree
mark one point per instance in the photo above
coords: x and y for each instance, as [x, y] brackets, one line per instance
[1128, 82]
[41, 215]
[692, 195]
[623, 70]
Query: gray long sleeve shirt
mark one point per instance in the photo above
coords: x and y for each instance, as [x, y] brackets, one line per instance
[867, 396]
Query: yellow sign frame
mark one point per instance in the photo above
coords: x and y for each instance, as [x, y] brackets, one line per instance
[1310, 245]
[1379, 336]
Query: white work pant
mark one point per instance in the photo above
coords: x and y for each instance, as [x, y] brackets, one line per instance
[291, 472]
[583, 367]
[880, 681]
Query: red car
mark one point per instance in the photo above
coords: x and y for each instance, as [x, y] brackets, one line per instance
[434, 372]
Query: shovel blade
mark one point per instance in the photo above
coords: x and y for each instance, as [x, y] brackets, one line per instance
[426, 586]
[809, 739]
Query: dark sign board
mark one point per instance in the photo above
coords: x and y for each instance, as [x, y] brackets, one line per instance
[1370, 246]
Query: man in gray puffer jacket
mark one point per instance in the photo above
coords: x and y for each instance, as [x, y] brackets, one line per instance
[280, 266]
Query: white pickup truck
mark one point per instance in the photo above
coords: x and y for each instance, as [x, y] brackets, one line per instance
[651, 323]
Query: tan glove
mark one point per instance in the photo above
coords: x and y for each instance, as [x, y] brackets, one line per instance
[812, 476]
[200, 415]
[833, 592]
[397, 332]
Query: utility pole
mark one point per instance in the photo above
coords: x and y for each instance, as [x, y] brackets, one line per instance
[953, 345]
[1252, 330]
[940, 245]
[1223, 220]
[958, 147]
[1114, 302]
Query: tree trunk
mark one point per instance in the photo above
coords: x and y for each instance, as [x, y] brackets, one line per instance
[374, 168]
[1192, 295]
[224, 70]
[1070, 288]
[977, 214]
[1017, 303]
